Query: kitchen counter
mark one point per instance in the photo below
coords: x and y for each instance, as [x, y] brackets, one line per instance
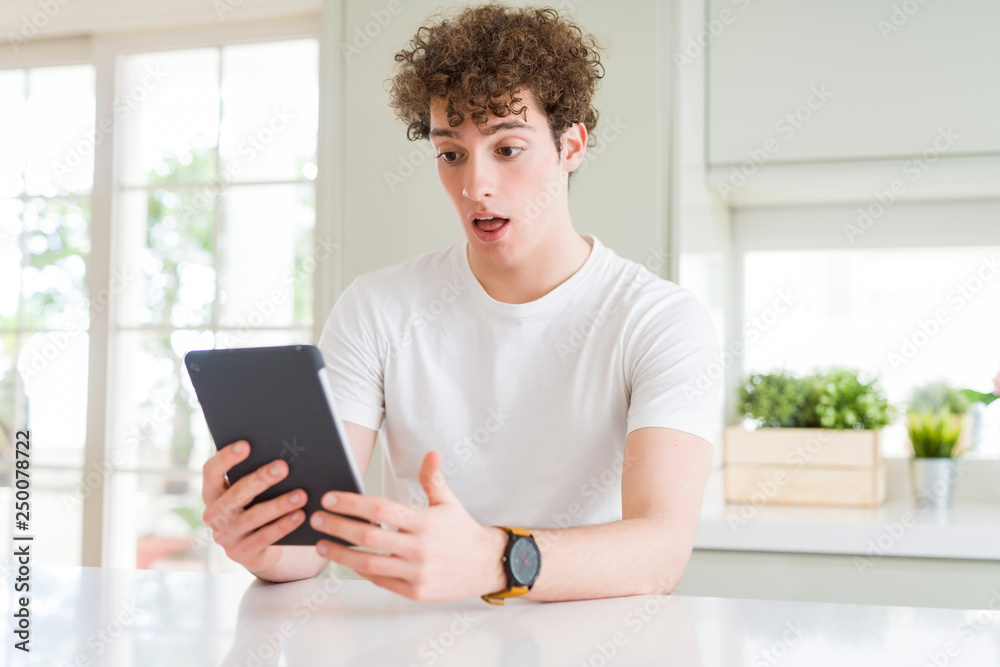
[92, 616]
[969, 530]
[893, 529]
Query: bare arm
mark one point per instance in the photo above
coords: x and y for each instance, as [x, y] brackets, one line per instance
[663, 480]
[442, 554]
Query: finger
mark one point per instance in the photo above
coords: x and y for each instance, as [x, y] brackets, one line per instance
[364, 534]
[215, 468]
[433, 482]
[398, 586]
[364, 563]
[226, 509]
[376, 510]
[264, 513]
[257, 541]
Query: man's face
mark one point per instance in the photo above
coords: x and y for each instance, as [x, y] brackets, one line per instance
[509, 169]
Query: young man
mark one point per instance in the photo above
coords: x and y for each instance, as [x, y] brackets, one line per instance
[538, 390]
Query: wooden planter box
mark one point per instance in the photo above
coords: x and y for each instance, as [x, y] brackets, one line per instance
[804, 466]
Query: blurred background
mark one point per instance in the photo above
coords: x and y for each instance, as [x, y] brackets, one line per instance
[176, 176]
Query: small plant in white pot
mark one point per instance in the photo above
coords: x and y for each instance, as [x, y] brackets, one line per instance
[938, 427]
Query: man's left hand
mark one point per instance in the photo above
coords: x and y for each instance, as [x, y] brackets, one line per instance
[439, 553]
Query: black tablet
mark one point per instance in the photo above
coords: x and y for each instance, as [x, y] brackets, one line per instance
[278, 400]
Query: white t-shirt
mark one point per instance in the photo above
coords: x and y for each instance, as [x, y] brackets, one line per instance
[529, 404]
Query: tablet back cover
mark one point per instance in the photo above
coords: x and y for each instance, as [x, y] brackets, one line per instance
[272, 398]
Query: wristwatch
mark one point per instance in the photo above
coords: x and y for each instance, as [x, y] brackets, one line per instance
[522, 561]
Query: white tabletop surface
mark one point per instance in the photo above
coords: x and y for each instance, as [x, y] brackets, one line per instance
[91, 616]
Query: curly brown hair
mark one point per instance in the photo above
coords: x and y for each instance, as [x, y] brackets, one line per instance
[485, 54]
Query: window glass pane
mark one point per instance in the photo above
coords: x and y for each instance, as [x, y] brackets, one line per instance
[10, 260]
[168, 275]
[60, 126]
[53, 366]
[57, 243]
[267, 284]
[56, 510]
[169, 103]
[159, 423]
[13, 138]
[157, 522]
[911, 316]
[270, 100]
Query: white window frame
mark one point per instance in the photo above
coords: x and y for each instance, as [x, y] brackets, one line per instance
[104, 52]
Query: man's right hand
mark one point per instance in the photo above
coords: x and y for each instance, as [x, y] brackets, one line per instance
[248, 535]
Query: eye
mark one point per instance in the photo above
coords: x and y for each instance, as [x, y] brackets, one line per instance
[511, 148]
[443, 158]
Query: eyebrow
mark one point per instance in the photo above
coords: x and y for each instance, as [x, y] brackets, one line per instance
[489, 130]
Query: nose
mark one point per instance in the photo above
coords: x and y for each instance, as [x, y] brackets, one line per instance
[479, 180]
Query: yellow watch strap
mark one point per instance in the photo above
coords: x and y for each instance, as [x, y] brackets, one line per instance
[500, 596]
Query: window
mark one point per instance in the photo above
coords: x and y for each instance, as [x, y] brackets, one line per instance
[216, 216]
[909, 315]
[46, 178]
[212, 244]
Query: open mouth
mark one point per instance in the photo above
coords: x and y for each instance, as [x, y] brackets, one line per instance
[491, 228]
[491, 224]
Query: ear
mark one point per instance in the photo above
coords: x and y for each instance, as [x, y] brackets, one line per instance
[574, 146]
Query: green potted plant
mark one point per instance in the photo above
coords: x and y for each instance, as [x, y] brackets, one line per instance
[938, 428]
[816, 441]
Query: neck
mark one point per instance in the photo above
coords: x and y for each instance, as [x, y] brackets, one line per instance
[549, 265]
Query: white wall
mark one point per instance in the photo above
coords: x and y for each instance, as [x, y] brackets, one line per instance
[892, 85]
[899, 80]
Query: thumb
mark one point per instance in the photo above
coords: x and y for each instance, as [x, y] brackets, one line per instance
[432, 480]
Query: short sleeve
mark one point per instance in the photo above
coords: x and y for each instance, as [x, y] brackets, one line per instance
[674, 368]
[349, 345]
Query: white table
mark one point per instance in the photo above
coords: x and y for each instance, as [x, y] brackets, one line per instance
[91, 616]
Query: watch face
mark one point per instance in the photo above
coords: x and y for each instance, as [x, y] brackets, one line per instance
[525, 561]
